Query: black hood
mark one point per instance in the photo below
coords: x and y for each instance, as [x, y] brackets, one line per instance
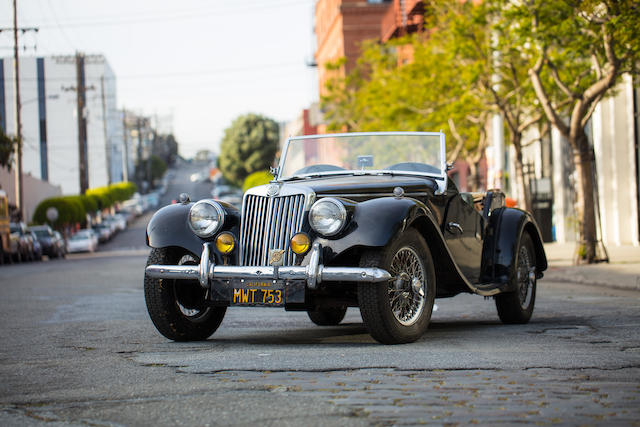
[364, 186]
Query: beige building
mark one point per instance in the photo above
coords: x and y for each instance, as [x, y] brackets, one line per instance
[614, 130]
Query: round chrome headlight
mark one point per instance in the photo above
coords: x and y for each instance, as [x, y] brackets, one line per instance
[206, 217]
[327, 216]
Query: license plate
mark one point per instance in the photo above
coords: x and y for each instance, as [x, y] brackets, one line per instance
[258, 293]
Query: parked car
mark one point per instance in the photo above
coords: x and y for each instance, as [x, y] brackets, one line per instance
[127, 213]
[119, 221]
[103, 231]
[37, 246]
[8, 247]
[83, 241]
[24, 241]
[134, 206]
[368, 220]
[52, 242]
[151, 200]
[63, 243]
[227, 193]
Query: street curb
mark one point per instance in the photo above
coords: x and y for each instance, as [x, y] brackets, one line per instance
[574, 275]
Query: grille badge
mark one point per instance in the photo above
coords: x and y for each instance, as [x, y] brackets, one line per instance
[276, 257]
[273, 190]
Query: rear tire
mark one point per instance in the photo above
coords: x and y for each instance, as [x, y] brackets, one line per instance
[328, 316]
[517, 307]
[399, 311]
[179, 308]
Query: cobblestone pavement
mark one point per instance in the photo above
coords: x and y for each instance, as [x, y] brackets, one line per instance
[464, 397]
[78, 348]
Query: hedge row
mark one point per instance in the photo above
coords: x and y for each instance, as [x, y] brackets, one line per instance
[73, 209]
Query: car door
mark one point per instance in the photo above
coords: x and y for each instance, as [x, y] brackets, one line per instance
[463, 231]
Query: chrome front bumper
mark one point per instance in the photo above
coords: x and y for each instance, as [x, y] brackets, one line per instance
[313, 273]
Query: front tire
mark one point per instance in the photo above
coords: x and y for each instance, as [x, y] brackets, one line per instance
[399, 311]
[517, 307]
[178, 308]
[327, 317]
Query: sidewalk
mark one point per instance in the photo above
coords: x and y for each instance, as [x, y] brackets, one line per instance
[622, 271]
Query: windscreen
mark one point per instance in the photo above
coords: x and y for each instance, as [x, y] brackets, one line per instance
[364, 153]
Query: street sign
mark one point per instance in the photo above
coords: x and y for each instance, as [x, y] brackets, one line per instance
[52, 214]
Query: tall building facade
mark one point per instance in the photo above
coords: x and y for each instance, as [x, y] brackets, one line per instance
[341, 26]
[72, 130]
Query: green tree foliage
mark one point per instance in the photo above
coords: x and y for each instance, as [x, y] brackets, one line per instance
[70, 211]
[580, 51]
[257, 178]
[73, 209]
[158, 167]
[166, 148]
[7, 147]
[122, 191]
[425, 94]
[89, 203]
[492, 63]
[249, 145]
[109, 195]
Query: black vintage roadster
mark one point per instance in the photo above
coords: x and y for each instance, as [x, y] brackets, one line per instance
[366, 220]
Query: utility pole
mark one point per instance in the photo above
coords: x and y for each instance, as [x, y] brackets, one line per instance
[19, 191]
[125, 147]
[18, 109]
[82, 124]
[16, 84]
[107, 143]
[139, 167]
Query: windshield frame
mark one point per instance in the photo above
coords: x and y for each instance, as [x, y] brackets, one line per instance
[441, 179]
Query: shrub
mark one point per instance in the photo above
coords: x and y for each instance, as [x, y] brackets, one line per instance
[256, 178]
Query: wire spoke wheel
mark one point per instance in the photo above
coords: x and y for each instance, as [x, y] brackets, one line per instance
[516, 307]
[526, 277]
[407, 293]
[399, 311]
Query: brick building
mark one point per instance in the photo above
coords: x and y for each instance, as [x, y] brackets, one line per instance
[341, 26]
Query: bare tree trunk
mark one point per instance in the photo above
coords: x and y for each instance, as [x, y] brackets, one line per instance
[473, 176]
[585, 202]
[521, 184]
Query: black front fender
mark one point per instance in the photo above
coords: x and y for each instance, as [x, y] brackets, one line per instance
[169, 227]
[505, 229]
[373, 224]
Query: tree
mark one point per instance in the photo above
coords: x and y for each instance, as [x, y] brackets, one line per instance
[257, 178]
[166, 148]
[7, 147]
[249, 145]
[493, 65]
[158, 167]
[580, 50]
[425, 94]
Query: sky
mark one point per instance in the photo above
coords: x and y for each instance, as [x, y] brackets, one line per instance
[195, 64]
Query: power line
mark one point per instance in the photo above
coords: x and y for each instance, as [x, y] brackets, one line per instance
[62, 30]
[169, 16]
[210, 72]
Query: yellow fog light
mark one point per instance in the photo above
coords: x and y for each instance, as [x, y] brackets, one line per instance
[225, 242]
[300, 243]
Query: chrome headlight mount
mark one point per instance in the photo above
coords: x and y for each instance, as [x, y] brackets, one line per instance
[206, 218]
[328, 216]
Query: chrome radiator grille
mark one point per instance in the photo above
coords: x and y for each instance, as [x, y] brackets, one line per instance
[268, 223]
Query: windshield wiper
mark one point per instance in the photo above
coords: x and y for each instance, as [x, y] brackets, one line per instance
[316, 175]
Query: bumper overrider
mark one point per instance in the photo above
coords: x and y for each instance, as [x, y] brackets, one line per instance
[312, 274]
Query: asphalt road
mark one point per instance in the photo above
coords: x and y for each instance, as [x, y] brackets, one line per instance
[79, 349]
